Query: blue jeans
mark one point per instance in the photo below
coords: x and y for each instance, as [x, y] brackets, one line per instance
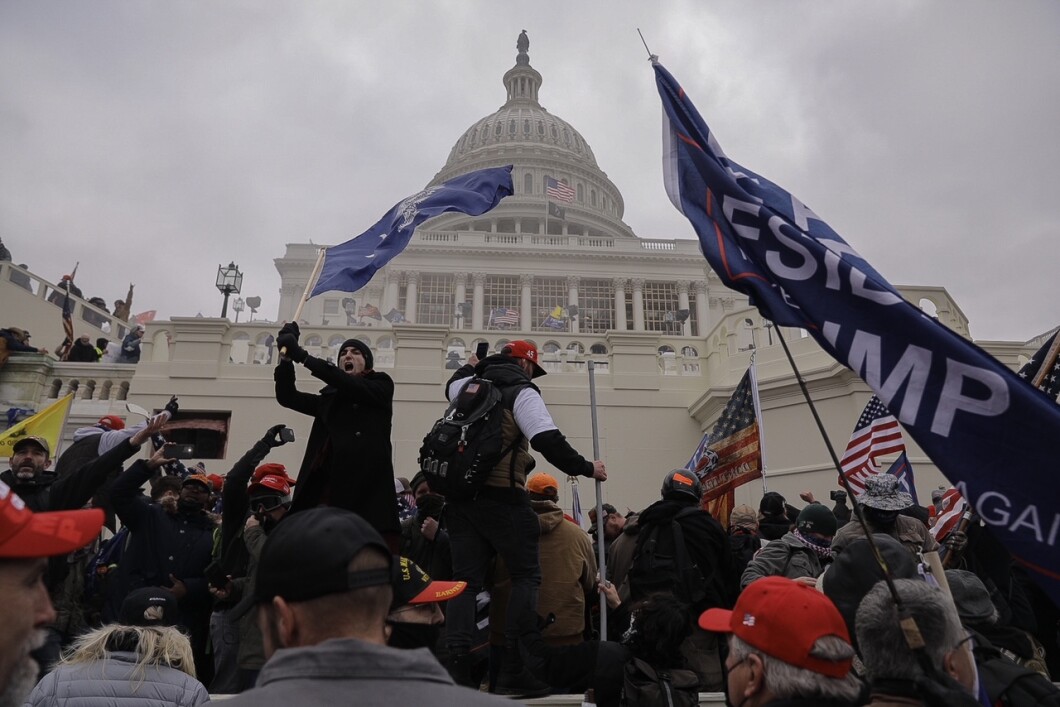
[479, 530]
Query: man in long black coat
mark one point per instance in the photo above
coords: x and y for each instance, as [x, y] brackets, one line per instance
[348, 459]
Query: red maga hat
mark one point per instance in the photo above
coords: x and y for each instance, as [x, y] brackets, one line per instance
[24, 533]
[783, 619]
[526, 351]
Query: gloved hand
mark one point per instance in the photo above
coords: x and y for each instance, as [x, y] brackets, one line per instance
[172, 407]
[272, 437]
[956, 541]
[290, 328]
[288, 344]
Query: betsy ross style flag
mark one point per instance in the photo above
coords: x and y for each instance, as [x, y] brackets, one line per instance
[1043, 370]
[558, 190]
[988, 431]
[730, 454]
[349, 266]
[876, 433]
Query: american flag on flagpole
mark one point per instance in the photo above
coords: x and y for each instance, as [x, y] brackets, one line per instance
[559, 191]
[504, 315]
[951, 509]
[877, 433]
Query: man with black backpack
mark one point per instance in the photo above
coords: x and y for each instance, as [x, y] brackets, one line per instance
[487, 508]
[681, 548]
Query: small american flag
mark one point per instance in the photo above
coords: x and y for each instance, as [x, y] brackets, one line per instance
[504, 315]
[951, 509]
[558, 190]
[1043, 370]
[877, 433]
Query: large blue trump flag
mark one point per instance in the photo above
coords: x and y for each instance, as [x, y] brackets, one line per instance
[993, 435]
[349, 266]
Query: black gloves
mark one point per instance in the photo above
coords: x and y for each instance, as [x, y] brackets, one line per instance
[171, 406]
[288, 345]
[290, 328]
[272, 437]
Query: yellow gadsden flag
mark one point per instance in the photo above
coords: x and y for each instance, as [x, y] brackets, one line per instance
[48, 423]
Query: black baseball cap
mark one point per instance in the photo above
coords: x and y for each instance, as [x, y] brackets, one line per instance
[414, 586]
[149, 606]
[307, 555]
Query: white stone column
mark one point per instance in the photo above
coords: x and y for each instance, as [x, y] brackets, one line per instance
[412, 281]
[572, 298]
[702, 308]
[459, 297]
[525, 318]
[620, 303]
[390, 300]
[682, 303]
[638, 304]
[479, 280]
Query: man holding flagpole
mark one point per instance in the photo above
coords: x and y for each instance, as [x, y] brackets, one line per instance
[348, 456]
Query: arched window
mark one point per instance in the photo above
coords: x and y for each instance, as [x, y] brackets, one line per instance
[592, 197]
[666, 349]
[580, 190]
[689, 352]
[385, 343]
[576, 347]
[598, 349]
[550, 347]
[528, 183]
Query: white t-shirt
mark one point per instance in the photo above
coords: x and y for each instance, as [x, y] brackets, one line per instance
[529, 409]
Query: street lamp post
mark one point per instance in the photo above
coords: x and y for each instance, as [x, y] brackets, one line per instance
[238, 307]
[229, 281]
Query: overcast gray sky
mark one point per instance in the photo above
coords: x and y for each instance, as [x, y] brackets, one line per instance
[152, 141]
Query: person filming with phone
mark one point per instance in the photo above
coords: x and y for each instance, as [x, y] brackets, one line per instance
[168, 547]
[248, 514]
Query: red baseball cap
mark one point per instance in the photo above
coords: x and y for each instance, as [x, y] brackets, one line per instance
[270, 482]
[217, 482]
[111, 422]
[783, 619]
[526, 351]
[272, 469]
[24, 533]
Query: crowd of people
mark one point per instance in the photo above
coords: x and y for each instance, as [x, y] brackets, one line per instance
[343, 583]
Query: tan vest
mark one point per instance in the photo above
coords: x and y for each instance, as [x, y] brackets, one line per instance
[502, 473]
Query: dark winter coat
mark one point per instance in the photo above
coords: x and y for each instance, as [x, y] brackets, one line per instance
[161, 544]
[348, 458]
[83, 353]
[708, 548]
[787, 557]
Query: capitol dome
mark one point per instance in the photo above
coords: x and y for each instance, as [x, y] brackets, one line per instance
[540, 145]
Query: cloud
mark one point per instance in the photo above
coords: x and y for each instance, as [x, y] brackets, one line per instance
[153, 141]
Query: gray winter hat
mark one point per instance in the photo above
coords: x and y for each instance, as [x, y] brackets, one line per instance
[881, 493]
[970, 596]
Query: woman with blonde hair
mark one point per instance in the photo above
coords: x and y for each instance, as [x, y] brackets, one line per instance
[143, 658]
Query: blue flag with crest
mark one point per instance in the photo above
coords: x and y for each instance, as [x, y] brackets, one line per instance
[992, 435]
[349, 266]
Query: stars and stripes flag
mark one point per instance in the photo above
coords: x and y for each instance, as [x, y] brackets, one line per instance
[971, 414]
[508, 316]
[876, 433]
[1043, 370]
[558, 190]
[349, 266]
[730, 454]
[951, 508]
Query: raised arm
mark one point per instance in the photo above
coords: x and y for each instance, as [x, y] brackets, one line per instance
[289, 396]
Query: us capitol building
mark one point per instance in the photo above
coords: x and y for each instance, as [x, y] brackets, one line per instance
[668, 341]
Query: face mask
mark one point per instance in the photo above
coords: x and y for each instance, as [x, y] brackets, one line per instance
[881, 519]
[405, 635]
[429, 506]
[186, 505]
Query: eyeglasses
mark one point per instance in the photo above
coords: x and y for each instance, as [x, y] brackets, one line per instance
[970, 638]
[266, 504]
